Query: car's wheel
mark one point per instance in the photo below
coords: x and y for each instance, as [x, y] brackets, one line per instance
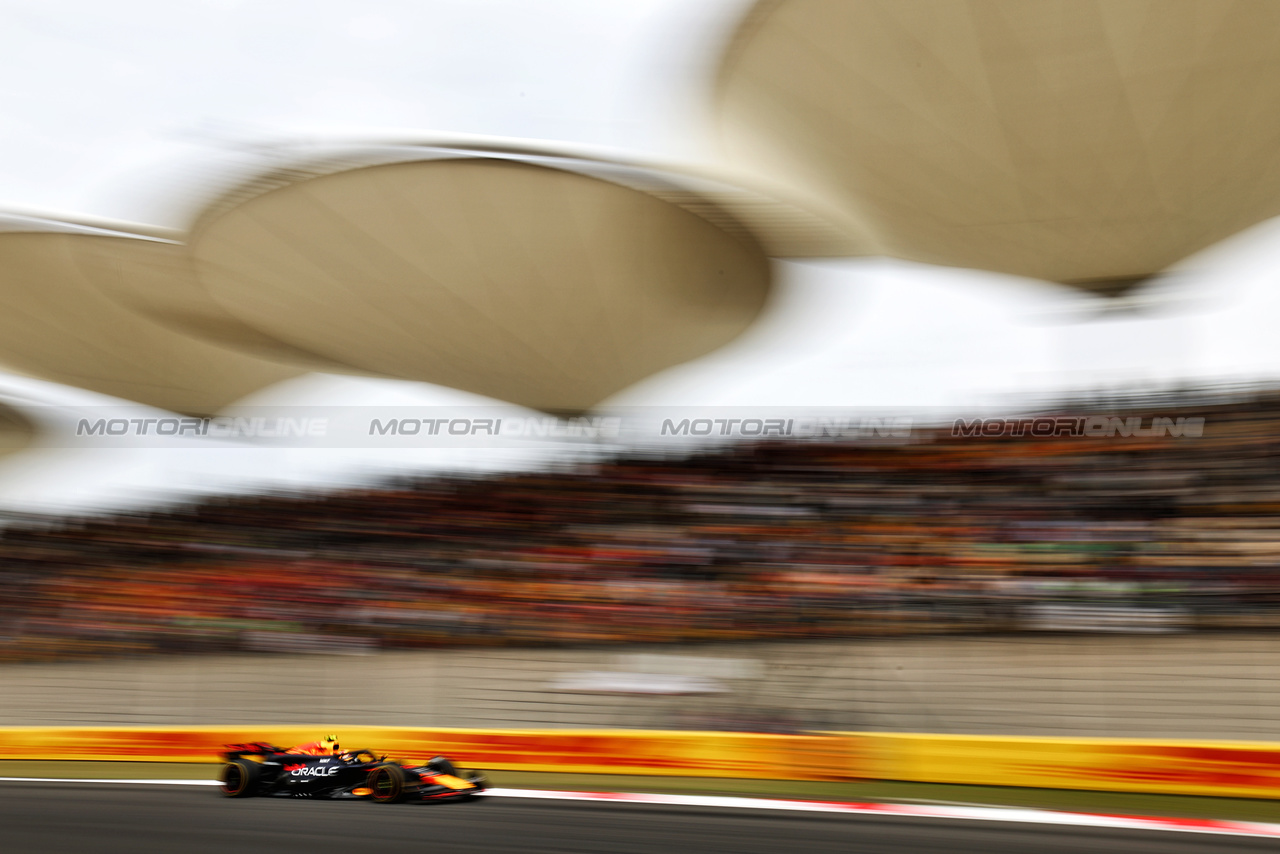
[388, 784]
[240, 778]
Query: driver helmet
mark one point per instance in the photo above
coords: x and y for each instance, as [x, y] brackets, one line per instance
[329, 744]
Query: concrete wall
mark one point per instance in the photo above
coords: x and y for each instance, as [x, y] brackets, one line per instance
[1169, 686]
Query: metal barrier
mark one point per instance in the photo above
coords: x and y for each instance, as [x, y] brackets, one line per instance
[1191, 686]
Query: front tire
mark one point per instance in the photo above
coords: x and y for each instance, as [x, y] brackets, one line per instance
[240, 778]
[388, 784]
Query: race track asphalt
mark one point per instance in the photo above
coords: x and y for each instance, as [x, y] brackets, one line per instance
[91, 818]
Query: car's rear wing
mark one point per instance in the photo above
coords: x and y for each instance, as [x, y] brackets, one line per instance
[253, 748]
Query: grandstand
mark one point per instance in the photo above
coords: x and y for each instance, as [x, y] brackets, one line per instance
[768, 540]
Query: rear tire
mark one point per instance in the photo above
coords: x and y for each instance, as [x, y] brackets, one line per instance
[240, 778]
[388, 784]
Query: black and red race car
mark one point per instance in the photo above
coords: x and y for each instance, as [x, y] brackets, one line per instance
[262, 769]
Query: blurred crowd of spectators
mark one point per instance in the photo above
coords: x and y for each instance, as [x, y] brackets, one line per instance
[782, 539]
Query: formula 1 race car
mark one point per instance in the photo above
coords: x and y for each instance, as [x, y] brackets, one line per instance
[308, 771]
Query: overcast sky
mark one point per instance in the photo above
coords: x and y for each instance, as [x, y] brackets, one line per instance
[131, 110]
[101, 101]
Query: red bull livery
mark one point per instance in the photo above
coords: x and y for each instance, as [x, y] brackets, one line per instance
[323, 769]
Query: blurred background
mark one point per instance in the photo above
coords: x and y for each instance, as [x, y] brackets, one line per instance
[600, 226]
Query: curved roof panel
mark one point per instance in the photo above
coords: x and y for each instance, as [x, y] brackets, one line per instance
[1074, 142]
[57, 323]
[513, 279]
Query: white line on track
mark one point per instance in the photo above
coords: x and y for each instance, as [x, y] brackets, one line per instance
[1031, 816]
